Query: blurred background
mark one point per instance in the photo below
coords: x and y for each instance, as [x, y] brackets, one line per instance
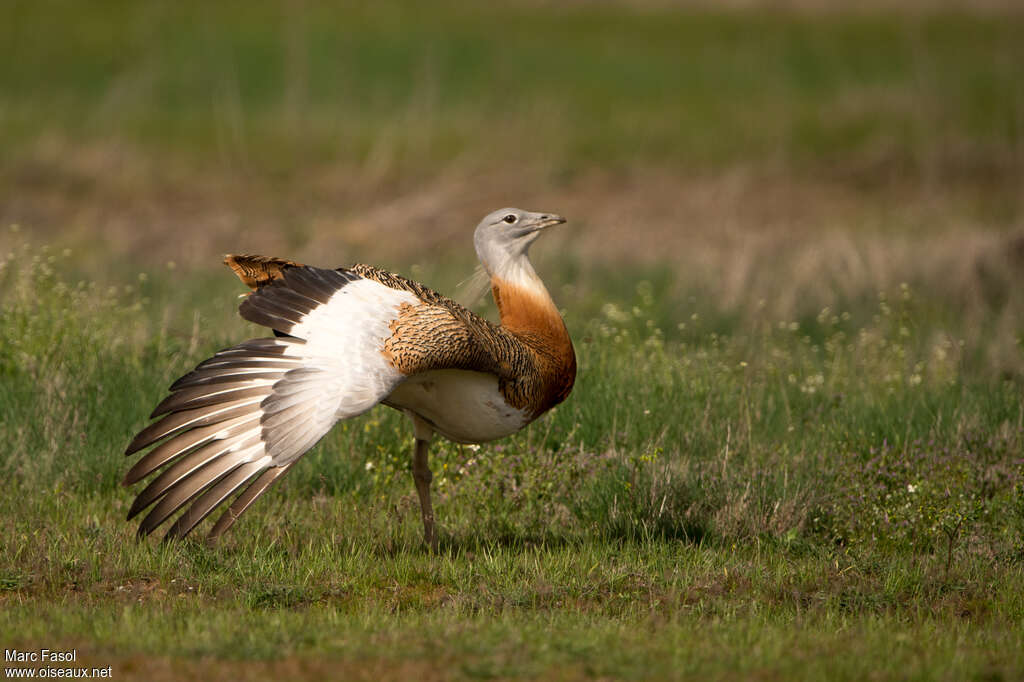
[740, 158]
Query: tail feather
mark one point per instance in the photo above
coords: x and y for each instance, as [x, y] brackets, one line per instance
[184, 490]
[243, 501]
[172, 448]
[189, 419]
[213, 376]
[273, 420]
[258, 271]
[213, 496]
[189, 465]
[201, 396]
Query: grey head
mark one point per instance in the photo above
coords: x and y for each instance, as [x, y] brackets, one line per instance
[503, 238]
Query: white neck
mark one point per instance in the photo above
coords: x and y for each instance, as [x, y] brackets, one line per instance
[517, 271]
[511, 265]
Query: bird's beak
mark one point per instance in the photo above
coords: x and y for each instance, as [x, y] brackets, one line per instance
[549, 219]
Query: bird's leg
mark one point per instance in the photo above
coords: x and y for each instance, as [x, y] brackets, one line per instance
[422, 476]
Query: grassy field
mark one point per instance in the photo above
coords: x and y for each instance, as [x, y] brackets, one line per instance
[792, 273]
[833, 495]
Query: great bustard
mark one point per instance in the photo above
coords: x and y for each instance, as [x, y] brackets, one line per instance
[346, 340]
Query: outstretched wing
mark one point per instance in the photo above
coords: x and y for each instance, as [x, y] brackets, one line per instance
[245, 415]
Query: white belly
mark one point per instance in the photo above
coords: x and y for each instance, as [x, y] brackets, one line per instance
[463, 406]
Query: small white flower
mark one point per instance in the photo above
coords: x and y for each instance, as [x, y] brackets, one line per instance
[370, 466]
[911, 488]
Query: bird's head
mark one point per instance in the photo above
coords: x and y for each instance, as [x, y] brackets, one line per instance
[503, 237]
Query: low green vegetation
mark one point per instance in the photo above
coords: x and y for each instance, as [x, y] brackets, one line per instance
[403, 88]
[842, 494]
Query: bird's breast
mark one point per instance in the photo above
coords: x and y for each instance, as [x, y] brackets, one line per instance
[463, 406]
[528, 312]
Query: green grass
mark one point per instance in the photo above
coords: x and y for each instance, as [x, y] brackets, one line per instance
[842, 495]
[275, 87]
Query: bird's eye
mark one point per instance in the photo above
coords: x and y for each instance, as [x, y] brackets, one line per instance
[510, 218]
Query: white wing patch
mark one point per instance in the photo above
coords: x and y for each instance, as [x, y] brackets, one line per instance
[344, 339]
